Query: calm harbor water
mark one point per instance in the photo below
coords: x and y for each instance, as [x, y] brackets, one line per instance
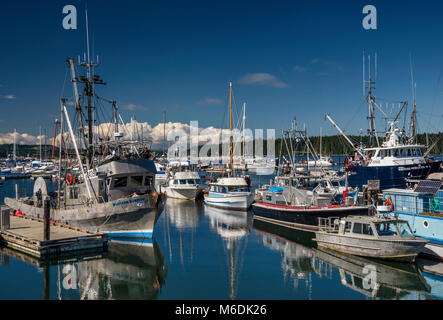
[205, 253]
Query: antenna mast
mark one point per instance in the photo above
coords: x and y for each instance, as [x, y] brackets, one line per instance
[89, 81]
[370, 98]
[230, 138]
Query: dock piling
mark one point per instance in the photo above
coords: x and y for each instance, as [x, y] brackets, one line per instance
[5, 222]
[17, 194]
[46, 219]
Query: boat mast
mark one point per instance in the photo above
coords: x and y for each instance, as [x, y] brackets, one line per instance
[414, 112]
[89, 81]
[244, 127]
[320, 142]
[164, 132]
[230, 138]
[14, 155]
[40, 145]
[373, 139]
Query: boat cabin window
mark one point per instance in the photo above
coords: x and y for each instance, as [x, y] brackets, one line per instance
[404, 229]
[395, 152]
[219, 189]
[419, 154]
[238, 189]
[367, 229]
[137, 181]
[120, 182]
[362, 228]
[148, 181]
[386, 229]
[73, 192]
[192, 181]
[348, 226]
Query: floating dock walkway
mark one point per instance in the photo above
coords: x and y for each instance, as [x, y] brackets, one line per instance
[26, 234]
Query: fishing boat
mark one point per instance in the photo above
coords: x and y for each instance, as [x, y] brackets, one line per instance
[392, 159]
[184, 185]
[301, 259]
[109, 185]
[381, 237]
[298, 200]
[230, 192]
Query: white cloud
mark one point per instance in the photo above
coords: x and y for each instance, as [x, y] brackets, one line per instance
[299, 69]
[133, 107]
[9, 97]
[138, 129]
[264, 79]
[210, 101]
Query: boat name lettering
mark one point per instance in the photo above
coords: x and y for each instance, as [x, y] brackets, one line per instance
[127, 202]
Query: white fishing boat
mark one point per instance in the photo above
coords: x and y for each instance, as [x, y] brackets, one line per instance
[230, 193]
[184, 185]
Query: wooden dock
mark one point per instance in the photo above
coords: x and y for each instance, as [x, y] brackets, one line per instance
[26, 235]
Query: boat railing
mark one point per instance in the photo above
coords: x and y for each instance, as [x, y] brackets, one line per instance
[329, 224]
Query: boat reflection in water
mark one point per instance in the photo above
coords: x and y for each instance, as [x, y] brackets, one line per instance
[183, 214]
[372, 278]
[233, 227]
[131, 270]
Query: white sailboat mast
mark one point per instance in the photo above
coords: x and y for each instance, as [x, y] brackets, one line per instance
[14, 155]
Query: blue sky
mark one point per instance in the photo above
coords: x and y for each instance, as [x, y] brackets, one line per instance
[285, 58]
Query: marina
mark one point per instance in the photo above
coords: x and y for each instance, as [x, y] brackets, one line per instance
[230, 151]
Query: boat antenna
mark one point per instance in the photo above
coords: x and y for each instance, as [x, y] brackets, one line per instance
[414, 114]
[230, 127]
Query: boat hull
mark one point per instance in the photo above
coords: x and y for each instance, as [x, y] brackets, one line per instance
[132, 217]
[428, 226]
[189, 193]
[389, 176]
[398, 250]
[231, 202]
[301, 218]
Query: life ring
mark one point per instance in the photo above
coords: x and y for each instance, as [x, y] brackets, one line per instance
[69, 179]
[390, 203]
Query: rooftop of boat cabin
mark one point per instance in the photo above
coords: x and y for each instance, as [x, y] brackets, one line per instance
[232, 181]
[374, 219]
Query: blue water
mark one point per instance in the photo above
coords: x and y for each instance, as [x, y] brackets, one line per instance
[201, 253]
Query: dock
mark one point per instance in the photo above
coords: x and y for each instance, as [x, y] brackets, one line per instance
[26, 234]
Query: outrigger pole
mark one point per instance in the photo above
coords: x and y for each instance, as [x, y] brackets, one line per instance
[85, 177]
[344, 135]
